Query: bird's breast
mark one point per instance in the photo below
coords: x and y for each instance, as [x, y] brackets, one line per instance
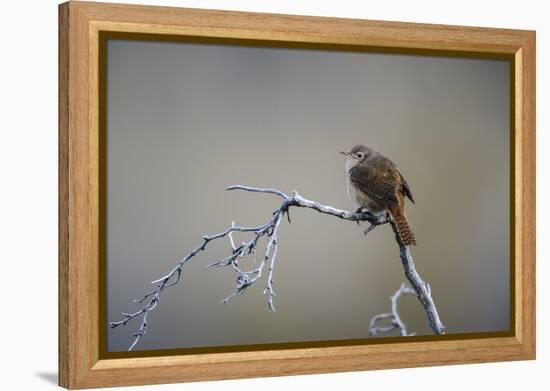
[361, 199]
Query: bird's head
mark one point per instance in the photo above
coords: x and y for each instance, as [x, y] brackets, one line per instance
[357, 154]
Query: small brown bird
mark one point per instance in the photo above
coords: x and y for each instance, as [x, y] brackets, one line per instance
[375, 184]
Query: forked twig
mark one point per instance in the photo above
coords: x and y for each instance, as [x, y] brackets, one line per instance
[395, 320]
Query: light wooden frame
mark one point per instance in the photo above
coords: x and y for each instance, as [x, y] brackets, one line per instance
[80, 24]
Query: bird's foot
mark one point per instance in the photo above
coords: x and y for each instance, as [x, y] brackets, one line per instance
[359, 210]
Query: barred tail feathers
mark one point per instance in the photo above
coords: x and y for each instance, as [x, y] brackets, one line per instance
[402, 226]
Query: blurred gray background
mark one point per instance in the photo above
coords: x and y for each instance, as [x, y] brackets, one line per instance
[187, 120]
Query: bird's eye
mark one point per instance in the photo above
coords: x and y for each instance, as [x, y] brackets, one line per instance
[359, 155]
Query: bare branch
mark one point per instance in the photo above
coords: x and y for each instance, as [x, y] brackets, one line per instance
[395, 320]
[422, 289]
[270, 230]
[258, 190]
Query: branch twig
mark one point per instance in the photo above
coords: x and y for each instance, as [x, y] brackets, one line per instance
[395, 319]
[422, 288]
[269, 230]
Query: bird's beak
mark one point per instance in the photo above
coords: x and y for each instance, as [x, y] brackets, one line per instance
[345, 153]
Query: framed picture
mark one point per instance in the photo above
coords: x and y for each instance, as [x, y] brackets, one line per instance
[247, 195]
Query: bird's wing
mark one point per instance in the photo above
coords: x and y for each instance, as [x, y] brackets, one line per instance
[378, 180]
[406, 188]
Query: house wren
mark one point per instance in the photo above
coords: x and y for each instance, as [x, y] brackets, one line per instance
[375, 184]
